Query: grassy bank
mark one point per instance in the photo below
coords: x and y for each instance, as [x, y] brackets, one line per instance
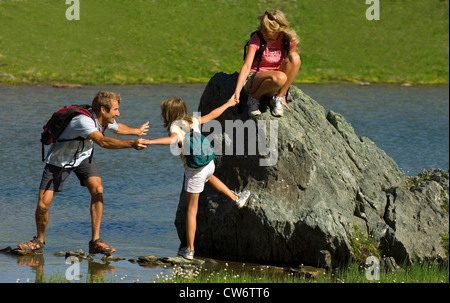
[182, 41]
[418, 272]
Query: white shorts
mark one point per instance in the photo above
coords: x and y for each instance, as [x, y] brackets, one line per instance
[195, 178]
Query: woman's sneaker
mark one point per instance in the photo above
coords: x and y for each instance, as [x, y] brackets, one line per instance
[242, 198]
[100, 247]
[186, 253]
[32, 246]
[277, 106]
[253, 107]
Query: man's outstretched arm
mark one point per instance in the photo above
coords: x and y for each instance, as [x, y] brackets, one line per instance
[126, 130]
[112, 143]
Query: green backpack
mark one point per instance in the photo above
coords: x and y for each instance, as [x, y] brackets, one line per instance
[200, 150]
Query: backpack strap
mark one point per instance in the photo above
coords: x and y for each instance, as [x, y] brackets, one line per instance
[260, 51]
[88, 113]
[263, 45]
[286, 45]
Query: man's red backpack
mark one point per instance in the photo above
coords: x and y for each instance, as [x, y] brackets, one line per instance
[58, 123]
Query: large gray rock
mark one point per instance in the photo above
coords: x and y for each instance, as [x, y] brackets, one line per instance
[415, 216]
[325, 181]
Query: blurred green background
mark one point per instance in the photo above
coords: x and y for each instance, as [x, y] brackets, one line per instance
[188, 41]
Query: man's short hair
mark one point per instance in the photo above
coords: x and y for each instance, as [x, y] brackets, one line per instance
[103, 98]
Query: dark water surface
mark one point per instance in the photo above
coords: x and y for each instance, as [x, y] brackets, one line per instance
[141, 188]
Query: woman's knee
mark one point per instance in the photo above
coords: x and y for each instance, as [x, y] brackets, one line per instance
[279, 78]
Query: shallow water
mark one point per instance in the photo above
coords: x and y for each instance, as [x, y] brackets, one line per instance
[141, 188]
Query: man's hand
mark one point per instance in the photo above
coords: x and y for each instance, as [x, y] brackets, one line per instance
[139, 144]
[126, 130]
[142, 131]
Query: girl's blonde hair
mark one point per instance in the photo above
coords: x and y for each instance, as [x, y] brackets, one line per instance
[275, 21]
[174, 109]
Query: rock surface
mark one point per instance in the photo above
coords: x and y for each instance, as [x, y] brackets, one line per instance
[326, 180]
[153, 260]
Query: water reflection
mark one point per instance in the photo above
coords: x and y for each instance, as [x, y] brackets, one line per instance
[36, 262]
[96, 269]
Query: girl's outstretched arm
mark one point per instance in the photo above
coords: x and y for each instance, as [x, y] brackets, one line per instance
[166, 140]
[218, 111]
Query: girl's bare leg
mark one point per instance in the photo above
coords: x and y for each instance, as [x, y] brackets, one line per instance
[191, 218]
[221, 187]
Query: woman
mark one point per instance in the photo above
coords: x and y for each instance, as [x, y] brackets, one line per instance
[273, 75]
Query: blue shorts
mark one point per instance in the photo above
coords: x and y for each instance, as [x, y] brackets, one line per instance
[53, 177]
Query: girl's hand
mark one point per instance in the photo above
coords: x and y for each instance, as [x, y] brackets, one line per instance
[140, 144]
[232, 102]
[236, 97]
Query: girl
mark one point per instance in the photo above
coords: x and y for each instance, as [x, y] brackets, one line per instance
[276, 72]
[179, 124]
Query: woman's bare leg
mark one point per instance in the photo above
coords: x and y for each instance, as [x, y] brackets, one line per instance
[290, 67]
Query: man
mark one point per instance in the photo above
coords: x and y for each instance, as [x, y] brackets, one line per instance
[66, 157]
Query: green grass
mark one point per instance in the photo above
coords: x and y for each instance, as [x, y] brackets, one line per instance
[362, 246]
[418, 272]
[186, 41]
